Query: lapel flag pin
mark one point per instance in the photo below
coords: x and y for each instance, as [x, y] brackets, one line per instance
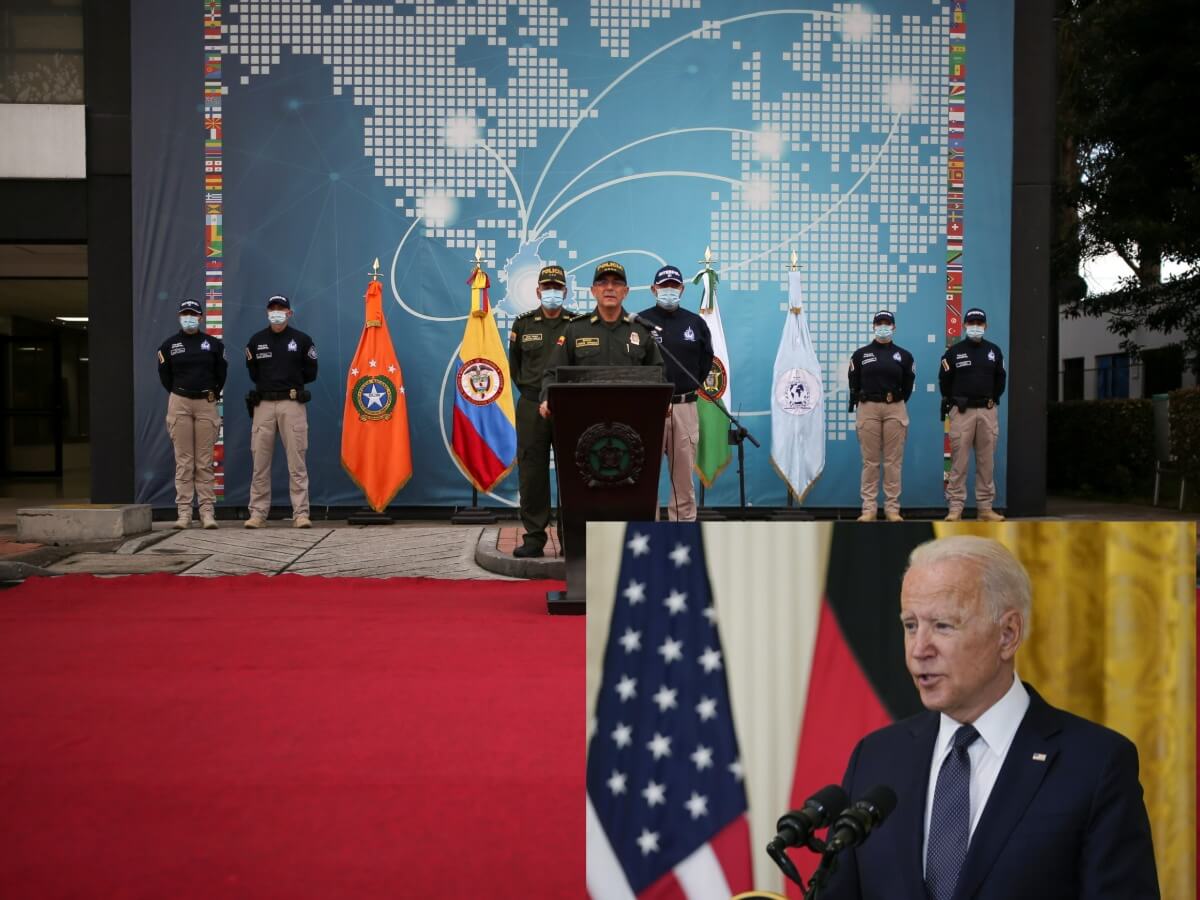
[1039, 757]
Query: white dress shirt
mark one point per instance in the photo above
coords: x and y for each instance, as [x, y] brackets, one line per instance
[997, 727]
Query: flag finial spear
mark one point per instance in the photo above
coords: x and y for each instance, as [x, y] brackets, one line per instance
[795, 266]
[478, 257]
[375, 270]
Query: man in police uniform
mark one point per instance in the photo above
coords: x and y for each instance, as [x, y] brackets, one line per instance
[972, 382]
[881, 380]
[530, 343]
[685, 335]
[192, 367]
[608, 337]
[281, 360]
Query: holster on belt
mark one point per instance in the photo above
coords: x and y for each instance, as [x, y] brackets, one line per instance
[252, 400]
[946, 404]
[961, 403]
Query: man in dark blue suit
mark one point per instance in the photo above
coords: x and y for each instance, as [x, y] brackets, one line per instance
[1000, 795]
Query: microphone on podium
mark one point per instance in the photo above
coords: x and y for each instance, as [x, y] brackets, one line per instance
[856, 823]
[645, 323]
[795, 829]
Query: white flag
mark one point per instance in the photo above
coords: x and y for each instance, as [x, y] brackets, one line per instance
[797, 401]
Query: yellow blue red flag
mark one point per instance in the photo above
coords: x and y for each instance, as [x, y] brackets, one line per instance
[485, 431]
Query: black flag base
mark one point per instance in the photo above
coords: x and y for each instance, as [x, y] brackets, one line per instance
[706, 514]
[474, 514]
[791, 513]
[366, 516]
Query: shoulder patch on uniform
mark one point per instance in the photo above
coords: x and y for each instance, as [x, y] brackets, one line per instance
[512, 335]
[852, 364]
[312, 351]
[945, 364]
[161, 358]
[248, 356]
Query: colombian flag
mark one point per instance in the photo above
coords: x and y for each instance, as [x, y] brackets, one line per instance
[375, 449]
[485, 432]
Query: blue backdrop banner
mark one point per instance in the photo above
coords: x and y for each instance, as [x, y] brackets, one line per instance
[280, 147]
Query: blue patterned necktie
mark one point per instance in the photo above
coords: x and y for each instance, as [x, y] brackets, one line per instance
[950, 821]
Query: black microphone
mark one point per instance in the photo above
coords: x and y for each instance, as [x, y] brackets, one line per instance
[645, 322]
[867, 813]
[796, 827]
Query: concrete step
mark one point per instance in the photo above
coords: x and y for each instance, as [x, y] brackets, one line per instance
[81, 523]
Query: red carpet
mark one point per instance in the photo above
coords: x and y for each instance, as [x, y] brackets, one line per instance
[289, 737]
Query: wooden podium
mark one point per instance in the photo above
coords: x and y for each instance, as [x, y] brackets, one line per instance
[608, 435]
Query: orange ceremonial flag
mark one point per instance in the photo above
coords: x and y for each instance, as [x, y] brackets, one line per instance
[375, 450]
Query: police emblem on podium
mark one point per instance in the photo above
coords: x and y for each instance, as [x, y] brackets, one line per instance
[610, 453]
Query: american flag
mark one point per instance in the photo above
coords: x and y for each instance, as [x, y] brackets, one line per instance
[666, 813]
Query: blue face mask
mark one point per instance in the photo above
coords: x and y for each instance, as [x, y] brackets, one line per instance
[668, 298]
[189, 323]
[975, 332]
[884, 332]
[552, 298]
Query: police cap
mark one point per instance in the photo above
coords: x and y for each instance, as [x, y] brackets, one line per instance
[610, 268]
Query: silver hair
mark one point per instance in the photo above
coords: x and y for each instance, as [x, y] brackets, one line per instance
[1002, 579]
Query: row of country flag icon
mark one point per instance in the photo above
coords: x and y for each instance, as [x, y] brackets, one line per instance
[956, 169]
[214, 244]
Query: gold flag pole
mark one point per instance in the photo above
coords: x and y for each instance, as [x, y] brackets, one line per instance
[794, 266]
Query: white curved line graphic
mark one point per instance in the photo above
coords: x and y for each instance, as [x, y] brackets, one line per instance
[587, 262]
[395, 293]
[537, 228]
[511, 180]
[442, 426]
[807, 226]
[645, 59]
[636, 177]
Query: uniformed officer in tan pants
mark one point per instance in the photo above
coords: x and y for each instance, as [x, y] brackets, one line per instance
[687, 349]
[281, 361]
[192, 367]
[972, 380]
[880, 378]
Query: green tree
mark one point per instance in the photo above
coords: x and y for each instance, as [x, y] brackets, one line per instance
[1129, 167]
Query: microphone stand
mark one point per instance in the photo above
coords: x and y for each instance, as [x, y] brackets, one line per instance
[738, 434]
[821, 877]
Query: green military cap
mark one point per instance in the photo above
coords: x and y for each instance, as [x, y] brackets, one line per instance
[609, 268]
[552, 275]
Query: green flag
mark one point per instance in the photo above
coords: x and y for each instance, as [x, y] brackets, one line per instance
[713, 454]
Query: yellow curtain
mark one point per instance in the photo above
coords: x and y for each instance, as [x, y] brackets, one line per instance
[1113, 639]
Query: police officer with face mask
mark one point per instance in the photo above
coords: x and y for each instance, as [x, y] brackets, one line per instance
[530, 343]
[881, 378]
[687, 338]
[281, 361]
[972, 382]
[192, 367]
